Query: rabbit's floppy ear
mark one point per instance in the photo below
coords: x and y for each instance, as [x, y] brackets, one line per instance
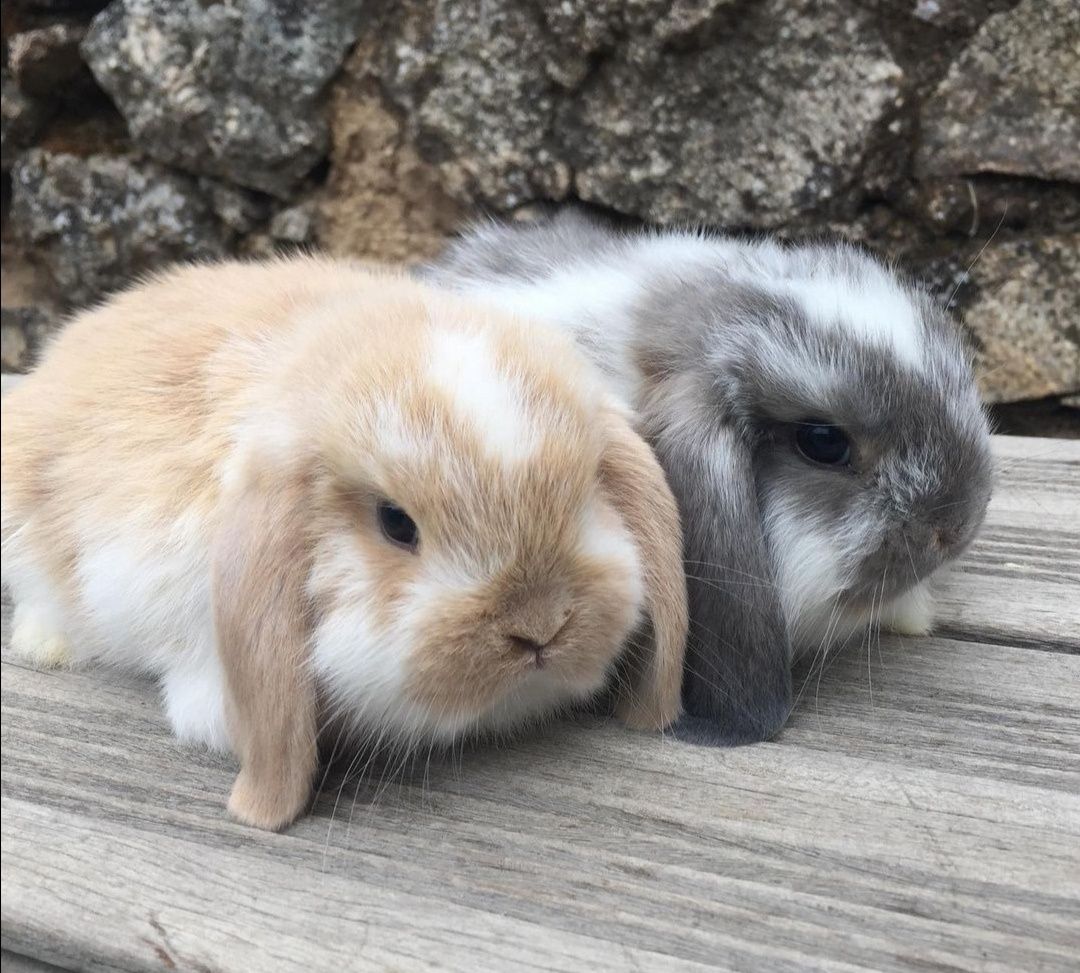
[262, 621]
[636, 486]
[738, 686]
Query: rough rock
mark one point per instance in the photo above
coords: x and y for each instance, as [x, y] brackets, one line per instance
[978, 206]
[239, 209]
[584, 29]
[81, 7]
[45, 59]
[225, 89]
[98, 222]
[381, 199]
[711, 111]
[23, 331]
[1023, 309]
[21, 119]
[814, 95]
[1010, 103]
[294, 224]
[960, 16]
[470, 81]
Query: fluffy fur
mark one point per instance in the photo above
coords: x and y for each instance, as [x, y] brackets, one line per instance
[724, 347]
[191, 482]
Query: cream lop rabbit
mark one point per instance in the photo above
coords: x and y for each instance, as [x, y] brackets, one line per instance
[306, 491]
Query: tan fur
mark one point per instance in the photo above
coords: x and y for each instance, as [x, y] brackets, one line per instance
[261, 614]
[247, 419]
[639, 491]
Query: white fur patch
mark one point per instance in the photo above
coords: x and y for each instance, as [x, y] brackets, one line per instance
[605, 539]
[40, 624]
[912, 613]
[489, 400]
[592, 303]
[808, 574]
[145, 592]
[671, 253]
[143, 603]
[270, 435]
[876, 311]
[363, 666]
[399, 442]
[195, 702]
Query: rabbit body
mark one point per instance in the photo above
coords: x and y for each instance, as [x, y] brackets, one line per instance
[306, 492]
[815, 413]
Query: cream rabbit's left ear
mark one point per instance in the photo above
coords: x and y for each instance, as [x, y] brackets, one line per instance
[636, 486]
[262, 620]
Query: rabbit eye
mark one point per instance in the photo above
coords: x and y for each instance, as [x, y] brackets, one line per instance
[397, 526]
[822, 443]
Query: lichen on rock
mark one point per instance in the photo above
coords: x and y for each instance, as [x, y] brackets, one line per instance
[1010, 103]
[770, 123]
[225, 89]
[98, 222]
[1024, 313]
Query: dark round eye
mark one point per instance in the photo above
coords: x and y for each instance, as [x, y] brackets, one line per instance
[822, 443]
[397, 526]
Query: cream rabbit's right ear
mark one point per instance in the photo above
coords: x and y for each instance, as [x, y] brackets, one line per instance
[637, 487]
[262, 622]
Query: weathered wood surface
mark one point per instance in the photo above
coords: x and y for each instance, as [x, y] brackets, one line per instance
[922, 811]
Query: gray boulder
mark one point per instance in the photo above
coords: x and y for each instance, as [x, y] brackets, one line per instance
[46, 59]
[774, 120]
[23, 333]
[1022, 304]
[226, 89]
[1010, 103]
[714, 111]
[471, 81]
[21, 119]
[96, 223]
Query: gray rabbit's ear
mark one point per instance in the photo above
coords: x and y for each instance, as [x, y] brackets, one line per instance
[737, 683]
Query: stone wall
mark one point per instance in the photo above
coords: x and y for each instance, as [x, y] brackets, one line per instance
[945, 133]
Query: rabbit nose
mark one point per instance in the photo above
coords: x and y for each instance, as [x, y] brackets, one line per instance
[537, 636]
[529, 645]
[535, 622]
[526, 644]
[945, 537]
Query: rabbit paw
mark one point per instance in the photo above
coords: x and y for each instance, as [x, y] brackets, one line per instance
[36, 638]
[910, 614]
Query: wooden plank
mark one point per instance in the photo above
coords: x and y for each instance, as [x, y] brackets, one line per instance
[1020, 582]
[989, 711]
[922, 810]
[757, 858]
[743, 863]
[14, 963]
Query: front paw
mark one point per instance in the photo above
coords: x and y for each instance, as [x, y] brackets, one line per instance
[912, 613]
[37, 640]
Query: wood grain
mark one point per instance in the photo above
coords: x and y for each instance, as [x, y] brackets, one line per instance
[1031, 538]
[921, 811]
[14, 963]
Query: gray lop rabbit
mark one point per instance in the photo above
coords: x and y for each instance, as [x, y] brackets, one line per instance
[816, 416]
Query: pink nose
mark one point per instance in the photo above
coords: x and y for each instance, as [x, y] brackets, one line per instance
[529, 645]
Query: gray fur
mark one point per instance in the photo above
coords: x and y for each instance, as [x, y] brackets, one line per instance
[728, 363]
